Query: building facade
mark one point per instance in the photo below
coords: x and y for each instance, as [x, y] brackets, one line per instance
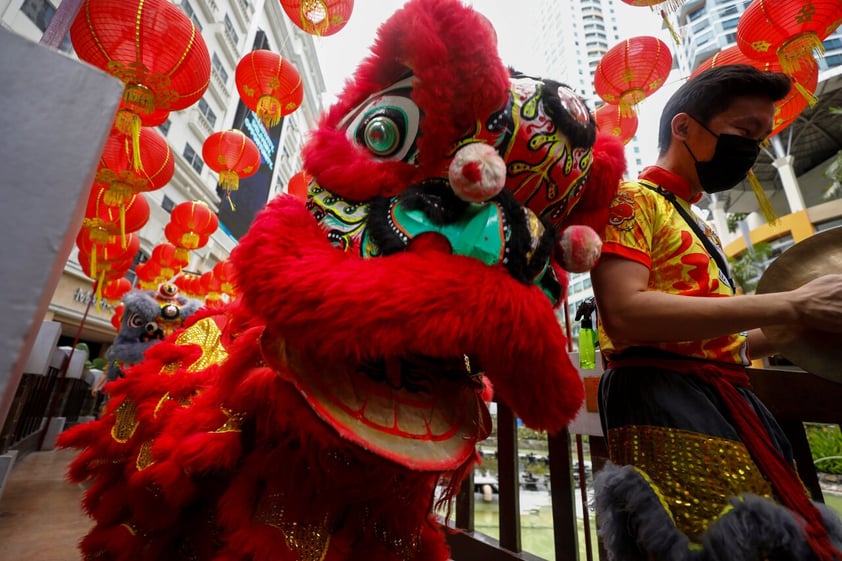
[230, 29]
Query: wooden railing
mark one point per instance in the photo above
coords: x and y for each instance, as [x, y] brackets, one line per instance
[793, 397]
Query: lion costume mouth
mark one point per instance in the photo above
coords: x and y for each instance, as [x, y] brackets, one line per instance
[423, 413]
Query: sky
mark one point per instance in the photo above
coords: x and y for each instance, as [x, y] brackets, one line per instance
[339, 54]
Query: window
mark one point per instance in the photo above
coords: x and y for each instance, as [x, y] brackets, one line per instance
[167, 204]
[165, 127]
[697, 14]
[229, 26]
[188, 9]
[728, 10]
[730, 23]
[194, 159]
[205, 109]
[219, 68]
[41, 12]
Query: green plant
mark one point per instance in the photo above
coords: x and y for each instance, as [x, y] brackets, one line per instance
[733, 219]
[826, 447]
[747, 268]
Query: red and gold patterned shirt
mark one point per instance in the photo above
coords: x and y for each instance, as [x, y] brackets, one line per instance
[645, 227]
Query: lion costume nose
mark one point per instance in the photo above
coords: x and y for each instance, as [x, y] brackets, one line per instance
[477, 172]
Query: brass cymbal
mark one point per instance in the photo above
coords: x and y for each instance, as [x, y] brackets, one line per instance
[817, 352]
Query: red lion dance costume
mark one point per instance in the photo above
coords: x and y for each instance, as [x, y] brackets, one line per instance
[314, 418]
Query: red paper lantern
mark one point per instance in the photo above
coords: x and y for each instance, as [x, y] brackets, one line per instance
[117, 318]
[299, 184]
[225, 273]
[106, 270]
[212, 287]
[149, 274]
[97, 258]
[104, 220]
[665, 6]
[196, 217]
[121, 178]
[790, 31]
[233, 155]
[319, 17]
[610, 119]
[114, 289]
[168, 257]
[269, 85]
[191, 224]
[787, 109]
[188, 285]
[149, 45]
[631, 71]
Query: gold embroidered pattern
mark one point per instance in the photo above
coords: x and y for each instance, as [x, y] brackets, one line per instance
[309, 541]
[205, 334]
[694, 474]
[125, 423]
[233, 422]
[144, 456]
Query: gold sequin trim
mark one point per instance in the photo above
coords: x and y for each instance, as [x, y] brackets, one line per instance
[233, 422]
[144, 456]
[309, 541]
[693, 474]
[206, 334]
[171, 368]
[125, 423]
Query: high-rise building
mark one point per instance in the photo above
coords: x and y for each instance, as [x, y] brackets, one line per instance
[570, 39]
[230, 28]
[707, 26]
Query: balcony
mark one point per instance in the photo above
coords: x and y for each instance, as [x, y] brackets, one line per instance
[218, 88]
[198, 123]
[209, 8]
[227, 41]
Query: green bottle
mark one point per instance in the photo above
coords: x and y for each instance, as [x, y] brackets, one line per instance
[587, 345]
[587, 335]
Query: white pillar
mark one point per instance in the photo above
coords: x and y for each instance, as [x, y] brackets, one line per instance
[720, 220]
[791, 188]
[783, 163]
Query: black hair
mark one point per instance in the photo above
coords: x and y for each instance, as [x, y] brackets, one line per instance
[710, 93]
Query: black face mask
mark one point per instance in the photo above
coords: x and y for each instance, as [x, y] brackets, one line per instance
[732, 159]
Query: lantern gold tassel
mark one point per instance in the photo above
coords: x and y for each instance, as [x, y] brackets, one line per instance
[766, 207]
[136, 163]
[807, 94]
[269, 111]
[93, 263]
[98, 290]
[670, 28]
[229, 180]
[123, 226]
[800, 48]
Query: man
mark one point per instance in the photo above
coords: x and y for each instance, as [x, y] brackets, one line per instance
[699, 468]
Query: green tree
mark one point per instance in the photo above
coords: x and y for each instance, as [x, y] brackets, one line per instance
[747, 268]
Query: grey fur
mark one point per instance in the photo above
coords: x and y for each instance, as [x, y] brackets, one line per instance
[129, 346]
[634, 526]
